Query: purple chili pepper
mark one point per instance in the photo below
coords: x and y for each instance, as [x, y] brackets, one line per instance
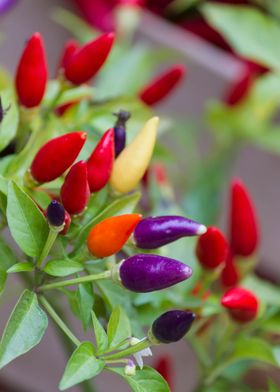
[120, 131]
[172, 326]
[55, 214]
[143, 273]
[153, 232]
[5, 5]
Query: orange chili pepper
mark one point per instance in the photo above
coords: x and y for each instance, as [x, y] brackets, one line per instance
[110, 235]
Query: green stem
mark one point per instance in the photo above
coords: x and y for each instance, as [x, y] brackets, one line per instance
[71, 282]
[129, 351]
[48, 245]
[58, 320]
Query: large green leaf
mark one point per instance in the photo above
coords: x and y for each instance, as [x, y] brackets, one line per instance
[9, 124]
[100, 334]
[145, 380]
[85, 301]
[118, 327]
[27, 224]
[24, 330]
[249, 31]
[81, 366]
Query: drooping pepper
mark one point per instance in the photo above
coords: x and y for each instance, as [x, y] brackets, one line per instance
[55, 214]
[75, 190]
[100, 163]
[162, 86]
[133, 161]
[244, 236]
[212, 248]
[143, 273]
[156, 231]
[120, 131]
[164, 366]
[87, 61]
[242, 304]
[56, 156]
[32, 73]
[172, 326]
[109, 236]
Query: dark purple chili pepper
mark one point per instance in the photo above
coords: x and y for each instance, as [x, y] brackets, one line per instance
[5, 5]
[143, 273]
[172, 326]
[120, 131]
[55, 213]
[153, 232]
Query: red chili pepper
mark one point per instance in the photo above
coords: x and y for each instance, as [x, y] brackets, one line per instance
[69, 49]
[162, 86]
[100, 163]
[230, 274]
[75, 190]
[211, 248]
[242, 304]
[67, 223]
[243, 231]
[165, 367]
[86, 61]
[56, 156]
[32, 73]
[240, 88]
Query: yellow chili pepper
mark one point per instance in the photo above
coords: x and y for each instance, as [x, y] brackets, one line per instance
[134, 160]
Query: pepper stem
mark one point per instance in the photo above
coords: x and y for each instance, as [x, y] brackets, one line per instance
[145, 343]
[48, 245]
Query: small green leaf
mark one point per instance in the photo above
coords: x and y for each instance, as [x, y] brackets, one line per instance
[62, 267]
[81, 366]
[3, 278]
[85, 301]
[100, 334]
[118, 327]
[21, 267]
[26, 223]
[9, 124]
[145, 380]
[24, 330]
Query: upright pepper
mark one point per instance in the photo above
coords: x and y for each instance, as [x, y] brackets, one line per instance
[120, 131]
[242, 304]
[32, 73]
[100, 163]
[211, 248]
[87, 61]
[156, 231]
[56, 156]
[75, 190]
[69, 49]
[109, 236]
[162, 86]
[230, 273]
[244, 236]
[133, 161]
[55, 214]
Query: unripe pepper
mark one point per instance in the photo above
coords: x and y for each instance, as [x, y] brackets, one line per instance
[230, 274]
[87, 61]
[109, 236]
[156, 231]
[75, 190]
[32, 73]
[244, 236]
[172, 326]
[55, 214]
[162, 86]
[56, 156]
[242, 304]
[120, 131]
[133, 161]
[211, 248]
[165, 367]
[100, 163]
[143, 273]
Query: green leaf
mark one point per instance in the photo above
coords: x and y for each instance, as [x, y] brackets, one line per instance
[272, 387]
[9, 124]
[249, 31]
[85, 301]
[145, 380]
[100, 334]
[81, 366]
[7, 257]
[62, 267]
[24, 330]
[118, 327]
[267, 292]
[75, 94]
[26, 223]
[3, 279]
[249, 348]
[21, 267]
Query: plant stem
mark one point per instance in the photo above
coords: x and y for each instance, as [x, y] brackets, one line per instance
[58, 320]
[70, 282]
[145, 343]
[48, 245]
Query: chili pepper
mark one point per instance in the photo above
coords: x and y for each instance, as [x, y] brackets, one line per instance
[242, 304]
[164, 366]
[56, 156]
[172, 326]
[69, 49]
[240, 89]
[211, 248]
[109, 236]
[243, 230]
[100, 163]
[55, 214]
[133, 161]
[32, 73]
[87, 61]
[143, 273]
[230, 274]
[162, 86]
[156, 231]
[75, 190]
[67, 223]
[120, 131]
